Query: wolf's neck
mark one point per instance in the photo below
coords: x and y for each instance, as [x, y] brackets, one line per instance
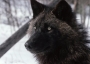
[77, 55]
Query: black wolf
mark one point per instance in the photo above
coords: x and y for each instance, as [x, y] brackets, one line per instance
[56, 38]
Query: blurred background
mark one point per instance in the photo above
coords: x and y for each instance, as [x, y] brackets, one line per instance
[15, 13]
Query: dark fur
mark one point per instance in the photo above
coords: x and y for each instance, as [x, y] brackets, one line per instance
[57, 38]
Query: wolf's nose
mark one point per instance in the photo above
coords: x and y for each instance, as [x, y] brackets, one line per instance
[27, 46]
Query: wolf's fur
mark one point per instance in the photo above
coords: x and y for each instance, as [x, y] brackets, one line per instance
[57, 38]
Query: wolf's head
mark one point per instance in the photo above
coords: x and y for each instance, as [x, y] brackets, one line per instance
[51, 28]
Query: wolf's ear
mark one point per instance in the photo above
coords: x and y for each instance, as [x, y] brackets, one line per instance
[63, 11]
[36, 7]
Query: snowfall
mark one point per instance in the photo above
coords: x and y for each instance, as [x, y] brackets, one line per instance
[18, 54]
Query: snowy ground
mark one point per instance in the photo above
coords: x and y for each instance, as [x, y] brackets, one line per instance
[18, 54]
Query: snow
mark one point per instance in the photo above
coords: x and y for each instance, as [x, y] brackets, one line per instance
[18, 53]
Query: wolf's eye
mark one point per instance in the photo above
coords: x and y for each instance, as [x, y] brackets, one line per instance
[49, 28]
[35, 27]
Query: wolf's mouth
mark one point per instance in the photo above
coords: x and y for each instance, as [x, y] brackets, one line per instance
[47, 48]
[37, 51]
